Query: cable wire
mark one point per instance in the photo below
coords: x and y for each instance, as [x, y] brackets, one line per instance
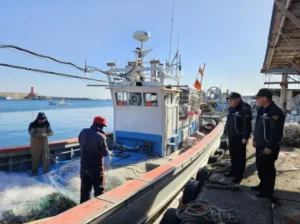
[49, 72]
[42, 56]
[94, 69]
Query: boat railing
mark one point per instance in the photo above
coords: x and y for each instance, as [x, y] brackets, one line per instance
[157, 74]
[17, 158]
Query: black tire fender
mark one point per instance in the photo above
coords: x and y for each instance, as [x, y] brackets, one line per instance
[202, 176]
[224, 144]
[213, 159]
[191, 191]
[220, 152]
[170, 217]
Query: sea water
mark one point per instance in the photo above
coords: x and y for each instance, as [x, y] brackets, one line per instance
[66, 120]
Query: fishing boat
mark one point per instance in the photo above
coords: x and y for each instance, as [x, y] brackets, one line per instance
[59, 102]
[154, 119]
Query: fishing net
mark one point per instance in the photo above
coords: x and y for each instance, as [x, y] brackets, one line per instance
[291, 134]
[43, 207]
[24, 198]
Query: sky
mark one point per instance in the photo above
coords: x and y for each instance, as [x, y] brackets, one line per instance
[229, 36]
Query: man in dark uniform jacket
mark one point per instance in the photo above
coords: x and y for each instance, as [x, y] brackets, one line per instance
[238, 129]
[267, 137]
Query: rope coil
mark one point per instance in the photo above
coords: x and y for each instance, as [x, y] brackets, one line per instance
[200, 210]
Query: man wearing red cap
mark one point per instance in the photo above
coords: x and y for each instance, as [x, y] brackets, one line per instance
[93, 148]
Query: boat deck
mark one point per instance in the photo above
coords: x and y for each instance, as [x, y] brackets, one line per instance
[249, 208]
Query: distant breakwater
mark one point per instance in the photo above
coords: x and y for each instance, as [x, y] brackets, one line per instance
[35, 96]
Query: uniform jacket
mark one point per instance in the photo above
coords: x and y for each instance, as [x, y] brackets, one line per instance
[238, 123]
[93, 148]
[269, 127]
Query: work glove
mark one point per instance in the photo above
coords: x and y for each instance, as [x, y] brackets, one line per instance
[44, 135]
[110, 154]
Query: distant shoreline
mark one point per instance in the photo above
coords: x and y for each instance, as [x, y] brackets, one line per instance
[28, 96]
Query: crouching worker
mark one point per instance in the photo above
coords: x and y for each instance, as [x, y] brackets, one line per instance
[39, 131]
[93, 148]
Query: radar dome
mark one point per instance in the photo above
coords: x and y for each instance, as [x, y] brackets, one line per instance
[141, 35]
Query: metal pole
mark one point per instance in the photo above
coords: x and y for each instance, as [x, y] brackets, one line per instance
[283, 93]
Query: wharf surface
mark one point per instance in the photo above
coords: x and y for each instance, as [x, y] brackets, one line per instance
[284, 209]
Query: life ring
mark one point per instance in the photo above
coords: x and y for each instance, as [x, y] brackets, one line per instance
[134, 99]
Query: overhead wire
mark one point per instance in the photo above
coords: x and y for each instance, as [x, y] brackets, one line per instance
[26, 52]
[42, 56]
[49, 72]
[127, 60]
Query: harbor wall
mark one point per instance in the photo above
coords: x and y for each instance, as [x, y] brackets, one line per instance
[20, 96]
[14, 95]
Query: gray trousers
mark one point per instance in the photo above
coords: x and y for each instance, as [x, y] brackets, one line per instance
[39, 152]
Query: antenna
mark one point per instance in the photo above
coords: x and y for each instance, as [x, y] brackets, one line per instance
[85, 69]
[178, 42]
[171, 31]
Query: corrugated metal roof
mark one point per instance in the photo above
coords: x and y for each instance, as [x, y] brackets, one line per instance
[283, 48]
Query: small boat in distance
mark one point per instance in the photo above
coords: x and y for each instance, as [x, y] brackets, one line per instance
[59, 102]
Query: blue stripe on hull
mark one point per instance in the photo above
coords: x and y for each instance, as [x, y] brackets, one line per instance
[134, 139]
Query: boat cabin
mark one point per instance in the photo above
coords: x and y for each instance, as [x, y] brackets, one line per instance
[151, 116]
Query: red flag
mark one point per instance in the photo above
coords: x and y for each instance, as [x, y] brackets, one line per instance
[197, 85]
[201, 71]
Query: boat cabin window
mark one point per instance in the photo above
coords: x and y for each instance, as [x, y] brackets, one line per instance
[150, 99]
[135, 99]
[121, 98]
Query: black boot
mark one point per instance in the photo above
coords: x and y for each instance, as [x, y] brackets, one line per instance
[262, 194]
[230, 174]
[237, 180]
[255, 188]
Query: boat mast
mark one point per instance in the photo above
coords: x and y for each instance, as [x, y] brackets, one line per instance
[171, 31]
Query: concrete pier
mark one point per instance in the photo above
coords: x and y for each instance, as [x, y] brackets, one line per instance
[285, 209]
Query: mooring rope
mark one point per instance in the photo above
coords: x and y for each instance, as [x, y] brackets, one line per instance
[203, 211]
[218, 167]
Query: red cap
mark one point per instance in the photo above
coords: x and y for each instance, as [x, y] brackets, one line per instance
[100, 120]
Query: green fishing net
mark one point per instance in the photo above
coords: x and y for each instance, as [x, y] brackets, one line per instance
[47, 206]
